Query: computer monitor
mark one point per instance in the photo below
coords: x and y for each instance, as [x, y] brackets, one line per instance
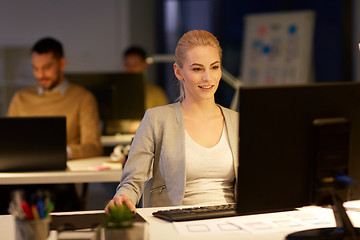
[293, 138]
[227, 93]
[120, 97]
[224, 94]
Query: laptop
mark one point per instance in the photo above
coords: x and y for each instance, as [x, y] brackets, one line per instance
[32, 144]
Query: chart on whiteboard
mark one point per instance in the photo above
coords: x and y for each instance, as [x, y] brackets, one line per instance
[278, 48]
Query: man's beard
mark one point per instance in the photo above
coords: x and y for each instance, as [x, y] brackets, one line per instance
[53, 84]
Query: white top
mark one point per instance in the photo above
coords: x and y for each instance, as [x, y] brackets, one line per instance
[209, 172]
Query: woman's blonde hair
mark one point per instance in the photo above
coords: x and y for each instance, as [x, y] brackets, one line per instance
[190, 40]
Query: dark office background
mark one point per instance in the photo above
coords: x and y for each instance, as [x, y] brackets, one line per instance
[150, 27]
[96, 44]
[332, 33]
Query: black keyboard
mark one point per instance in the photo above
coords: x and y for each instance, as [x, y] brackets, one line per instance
[197, 213]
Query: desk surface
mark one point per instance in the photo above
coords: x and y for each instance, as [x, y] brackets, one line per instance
[161, 230]
[284, 224]
[77, 172]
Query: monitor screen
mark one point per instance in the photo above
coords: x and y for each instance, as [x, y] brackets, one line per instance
[32, 143]
[224, 94]
[120, 97]
[283, 150]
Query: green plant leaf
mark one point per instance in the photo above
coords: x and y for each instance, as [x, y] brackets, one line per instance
[119, 217]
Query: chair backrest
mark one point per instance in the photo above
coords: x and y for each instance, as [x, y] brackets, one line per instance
[146, 202]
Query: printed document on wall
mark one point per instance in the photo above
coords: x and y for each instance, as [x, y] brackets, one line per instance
[278, 48]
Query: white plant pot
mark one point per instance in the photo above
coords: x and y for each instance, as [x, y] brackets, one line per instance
[138, 231]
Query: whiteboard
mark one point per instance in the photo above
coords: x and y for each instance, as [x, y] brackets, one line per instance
[277, 48]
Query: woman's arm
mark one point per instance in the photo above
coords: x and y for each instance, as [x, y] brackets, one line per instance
[137, 168]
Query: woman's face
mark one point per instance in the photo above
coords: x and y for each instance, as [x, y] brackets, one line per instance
[201, 73]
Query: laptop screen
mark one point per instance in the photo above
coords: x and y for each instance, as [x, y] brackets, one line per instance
[32, 143]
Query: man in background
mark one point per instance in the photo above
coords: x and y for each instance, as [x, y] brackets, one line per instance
[55, 96]
[135, 62]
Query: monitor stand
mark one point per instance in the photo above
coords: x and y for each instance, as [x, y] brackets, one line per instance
[344, 229]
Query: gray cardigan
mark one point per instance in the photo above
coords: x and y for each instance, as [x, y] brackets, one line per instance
[158, 145]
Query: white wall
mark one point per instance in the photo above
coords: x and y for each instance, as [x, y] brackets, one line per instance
[93, 32]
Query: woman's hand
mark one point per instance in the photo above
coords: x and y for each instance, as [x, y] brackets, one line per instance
[119, 200]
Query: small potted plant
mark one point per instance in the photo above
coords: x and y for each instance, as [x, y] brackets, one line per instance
[119, 217]
[118, 223]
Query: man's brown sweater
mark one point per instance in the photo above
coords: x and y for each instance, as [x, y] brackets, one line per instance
[77, 104]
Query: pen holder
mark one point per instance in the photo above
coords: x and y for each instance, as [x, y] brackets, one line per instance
[32, 229]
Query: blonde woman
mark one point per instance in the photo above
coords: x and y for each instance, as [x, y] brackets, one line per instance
[191, 145]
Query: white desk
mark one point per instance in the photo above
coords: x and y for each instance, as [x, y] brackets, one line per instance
[163, 230]
[77, 172]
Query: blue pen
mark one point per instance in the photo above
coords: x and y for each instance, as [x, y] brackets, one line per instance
[41, 208]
